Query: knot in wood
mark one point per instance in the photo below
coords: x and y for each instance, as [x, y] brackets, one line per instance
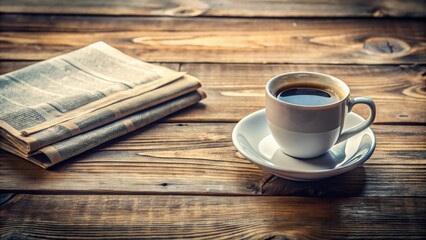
[185, 8]
[386, 45]
[185, 12]
[379, 13]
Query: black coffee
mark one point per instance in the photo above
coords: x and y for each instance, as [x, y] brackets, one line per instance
[307, 95]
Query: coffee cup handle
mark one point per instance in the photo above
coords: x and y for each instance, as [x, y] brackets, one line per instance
[362, 126]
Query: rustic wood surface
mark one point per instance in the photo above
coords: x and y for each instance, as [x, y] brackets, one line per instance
[222, 8]
[176, 158]
[327, 41]
[207, 217]
[182, 177]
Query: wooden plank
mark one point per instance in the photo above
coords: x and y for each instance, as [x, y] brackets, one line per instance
[209, 217]
[347, 41]
[199, 158]
[235, 90]
[222, 8]
[85, 24]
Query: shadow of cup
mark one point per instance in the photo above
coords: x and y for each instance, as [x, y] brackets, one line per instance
[348, 184]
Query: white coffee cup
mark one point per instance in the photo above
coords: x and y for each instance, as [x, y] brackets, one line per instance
[308, 131]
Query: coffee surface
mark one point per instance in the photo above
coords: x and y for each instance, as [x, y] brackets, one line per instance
[307, 96]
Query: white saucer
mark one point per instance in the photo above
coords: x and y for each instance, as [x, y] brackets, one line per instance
[253, 139]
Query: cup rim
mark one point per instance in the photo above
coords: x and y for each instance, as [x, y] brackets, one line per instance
[268, 92]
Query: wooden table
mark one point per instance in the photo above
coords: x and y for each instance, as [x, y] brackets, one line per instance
[182, 177]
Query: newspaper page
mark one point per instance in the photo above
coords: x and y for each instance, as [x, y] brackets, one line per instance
[55, 109]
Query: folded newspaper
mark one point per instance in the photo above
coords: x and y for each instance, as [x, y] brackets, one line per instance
[58, 108]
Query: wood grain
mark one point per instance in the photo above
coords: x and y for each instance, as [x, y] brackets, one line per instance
[235, 90]
[199, 158]
[345, 41]
[206, 217]
[90, 24]
[222, 8]
[183, 177]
